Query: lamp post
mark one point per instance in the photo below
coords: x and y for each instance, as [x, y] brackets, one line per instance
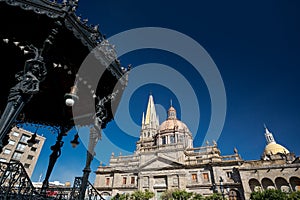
[75, 141]
[222, 187]
[95, 136]
[56, 152]
[71, 98]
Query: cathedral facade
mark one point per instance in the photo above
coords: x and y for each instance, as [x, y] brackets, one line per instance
[165, 159]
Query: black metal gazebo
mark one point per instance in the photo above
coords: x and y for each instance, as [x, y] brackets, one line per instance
[57, 70]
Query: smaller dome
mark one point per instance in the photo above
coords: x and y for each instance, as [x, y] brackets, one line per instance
[274, 148]
[170, 125]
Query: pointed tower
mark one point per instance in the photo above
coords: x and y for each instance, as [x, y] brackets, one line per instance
[150, 121]
[272, 148]
[269, 136]
[150, 125]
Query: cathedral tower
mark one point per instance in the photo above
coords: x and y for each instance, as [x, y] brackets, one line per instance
[150, 124]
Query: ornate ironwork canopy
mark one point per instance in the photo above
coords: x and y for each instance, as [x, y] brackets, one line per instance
[63, 40]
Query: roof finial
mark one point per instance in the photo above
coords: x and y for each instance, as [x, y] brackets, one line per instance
[171, 103]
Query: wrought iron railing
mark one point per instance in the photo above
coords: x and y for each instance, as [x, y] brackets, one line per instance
[90, 194]
[15, 184]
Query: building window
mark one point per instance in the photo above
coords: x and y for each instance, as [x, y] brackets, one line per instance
[3, 160]
[33, 149]
[11, 142]
[172, 139]
[175, 180]
[124, 181]
[107, 181]
[194, 178]
[146, 181]
[205, 177]
[229, 175]
[17, 156]
[24, 138]
[21, 147]
[30, 157]
[16, 134]
[164, 140]
[6, 151]
[132, 180]
[26, 165]
[180, 139]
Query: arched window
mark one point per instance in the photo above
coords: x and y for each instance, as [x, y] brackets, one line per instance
[295, 183]
[254, 185]
[234, 195]
[267, 184]
[282, 184]
[105, 195]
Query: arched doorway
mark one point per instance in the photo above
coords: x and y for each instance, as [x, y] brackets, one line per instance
[267, 184]
[106, 195]
[234, 195]
[282, 184]
[295, 183]
[254, 185]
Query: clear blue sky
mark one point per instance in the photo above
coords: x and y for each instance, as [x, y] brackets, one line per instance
[255, 46]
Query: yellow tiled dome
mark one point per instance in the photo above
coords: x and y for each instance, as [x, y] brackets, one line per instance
[274, 148]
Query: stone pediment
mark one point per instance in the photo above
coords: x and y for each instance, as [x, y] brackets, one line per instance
[160, 162]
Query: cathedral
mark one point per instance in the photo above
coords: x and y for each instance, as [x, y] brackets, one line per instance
[165, 159]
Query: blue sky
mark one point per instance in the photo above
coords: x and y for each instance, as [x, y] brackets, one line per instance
[255, 47]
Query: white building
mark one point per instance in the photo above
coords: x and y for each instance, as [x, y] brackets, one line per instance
[165, 159]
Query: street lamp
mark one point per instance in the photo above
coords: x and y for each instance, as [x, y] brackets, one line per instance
[222, 187]
[75, 141]
[71, 98]
[32, 140]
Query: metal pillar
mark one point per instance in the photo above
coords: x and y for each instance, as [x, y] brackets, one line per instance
[56, 152]
[94, 137]
[28, 82]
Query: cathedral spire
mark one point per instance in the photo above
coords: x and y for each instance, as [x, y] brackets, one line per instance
[150, 119]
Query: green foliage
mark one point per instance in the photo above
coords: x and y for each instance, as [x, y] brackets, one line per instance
[294, 195]
[197, 197]
[167, 195]
[181, 195]
[214, 196]
[142, 195]
[121, 197]
[184, 195]
[274, 195]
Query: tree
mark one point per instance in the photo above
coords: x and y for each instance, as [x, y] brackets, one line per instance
[197, 197]
[142, 195]
[167, 195]
[294, 195]
[214, 196]
[181, 195]
[121, 196]
[270, 194]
